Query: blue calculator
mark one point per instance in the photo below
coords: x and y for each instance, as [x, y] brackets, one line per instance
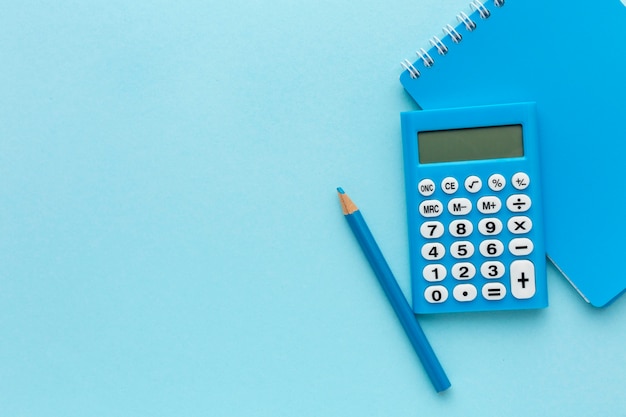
[473, 192]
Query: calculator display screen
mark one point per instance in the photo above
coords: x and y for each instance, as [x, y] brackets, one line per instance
[472, 144]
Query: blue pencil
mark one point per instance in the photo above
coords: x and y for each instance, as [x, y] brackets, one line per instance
[375, 257]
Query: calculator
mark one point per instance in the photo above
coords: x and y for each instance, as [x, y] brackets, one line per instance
[473, 192]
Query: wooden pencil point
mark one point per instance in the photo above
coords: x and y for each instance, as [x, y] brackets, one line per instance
[347, 206]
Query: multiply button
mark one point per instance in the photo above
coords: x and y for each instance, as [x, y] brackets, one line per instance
[522, 279]
[518, 203]
[430, 208]
[519, 224]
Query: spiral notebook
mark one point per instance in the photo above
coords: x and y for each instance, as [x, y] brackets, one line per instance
[570, 59]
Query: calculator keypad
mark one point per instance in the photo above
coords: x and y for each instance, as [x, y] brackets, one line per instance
[487, 236]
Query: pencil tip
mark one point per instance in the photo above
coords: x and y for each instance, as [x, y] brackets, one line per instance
[340, 190]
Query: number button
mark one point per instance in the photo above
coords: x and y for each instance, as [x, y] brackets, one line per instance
[491, 248]
[521, 246]
[490, 226]
[493, 291]
[431, 230]
[462, 249]
[436, 294]
[463, 270]
[434, 272]
[459, 206]
[430, 208]
[496, 182]
[489, 205]
[426, 187]
[460, 228]
[492, 269]
[522, 279]
[464, 292]
[433, 251]
[520, 180]
[519, 225]
[473, 184]
[518, 203]
[449, 185]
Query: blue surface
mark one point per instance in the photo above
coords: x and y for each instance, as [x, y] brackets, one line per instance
[580, 108]
[171, 240]
[416, 122]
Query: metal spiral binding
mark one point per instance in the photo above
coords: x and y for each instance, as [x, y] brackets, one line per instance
[455, 36]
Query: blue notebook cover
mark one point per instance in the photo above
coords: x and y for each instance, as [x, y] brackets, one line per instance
[569, 58]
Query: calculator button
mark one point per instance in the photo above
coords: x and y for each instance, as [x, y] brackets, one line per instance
[463, 270]
[436, 294]
[433, 251]
[489, 204]
[449, 185]
[519, 225]
[461, 228]
[518, 203]
[431, 230]
[489, 226]
[431, 208]
[496, 182]
[490, 248]
[494, 291]
[464, 292]
[521, 246]
[492, 269]
[473, 184]
[426, 187]
[522, 279]
[520, 180]
[434, 272]
[459, 206]
[462, 249]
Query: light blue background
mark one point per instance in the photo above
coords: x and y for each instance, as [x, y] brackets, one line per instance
[171, 240]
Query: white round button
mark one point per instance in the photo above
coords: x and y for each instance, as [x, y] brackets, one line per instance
[489, 226]
[519, 224]
[463, 270]
[434, 272]
[520, 180]
[492, 269]
[491, 248]
[521, 246]
[518, 203]
[462, 249]
[433, 251]
[436, 294]
[449, 185]
[431, 230]
[426, 187]
[496, 182]
[464, 292]
[473, 184]
[460, 228]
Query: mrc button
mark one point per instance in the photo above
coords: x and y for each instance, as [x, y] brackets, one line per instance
[431, 208]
